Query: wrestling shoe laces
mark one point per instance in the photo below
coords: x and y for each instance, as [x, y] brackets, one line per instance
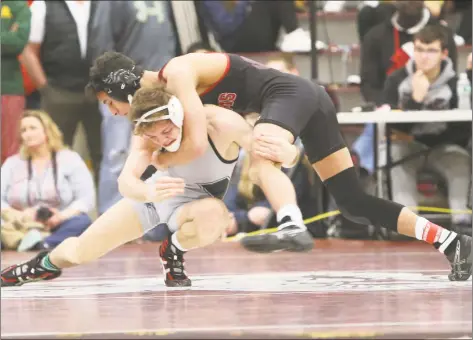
[460, 259]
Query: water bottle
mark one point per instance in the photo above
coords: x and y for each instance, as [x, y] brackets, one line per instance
[464, 92]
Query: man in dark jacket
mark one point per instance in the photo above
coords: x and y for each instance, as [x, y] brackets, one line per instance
[57, 57]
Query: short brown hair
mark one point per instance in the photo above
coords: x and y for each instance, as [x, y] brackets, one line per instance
[144, 100]
[431, 33]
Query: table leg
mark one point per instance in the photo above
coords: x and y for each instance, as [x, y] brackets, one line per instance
[388, 164]
[380, 157]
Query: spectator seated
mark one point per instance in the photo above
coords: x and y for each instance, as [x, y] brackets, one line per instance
[46, 189]
[429, 82]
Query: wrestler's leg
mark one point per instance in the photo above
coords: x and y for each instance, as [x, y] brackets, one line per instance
[265, 174]
[333, 163]
[201, 223]
[194, 225]
[113, 228]
[283, 116]
[118, 225]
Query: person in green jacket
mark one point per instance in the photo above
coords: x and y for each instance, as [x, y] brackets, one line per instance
[15, 29]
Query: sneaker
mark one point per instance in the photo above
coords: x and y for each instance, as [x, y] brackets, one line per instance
[27, 272]
[289, 236]
[299, 41]
[459, 40]
[460, 259]
[172, 260]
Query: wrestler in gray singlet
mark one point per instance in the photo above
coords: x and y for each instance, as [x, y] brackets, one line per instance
[206, 176]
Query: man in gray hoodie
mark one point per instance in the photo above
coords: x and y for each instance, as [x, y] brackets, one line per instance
[142, 30]
[429, 82]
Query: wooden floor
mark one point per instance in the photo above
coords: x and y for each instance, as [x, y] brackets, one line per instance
[341, 289]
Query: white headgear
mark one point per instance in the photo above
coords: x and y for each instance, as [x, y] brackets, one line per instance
[175, 114]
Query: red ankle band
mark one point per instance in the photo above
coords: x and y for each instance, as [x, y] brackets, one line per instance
[431, 233]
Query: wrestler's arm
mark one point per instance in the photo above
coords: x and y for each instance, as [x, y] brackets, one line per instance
[129, 183]
[240, 132]
[236, 128]
[182, 81]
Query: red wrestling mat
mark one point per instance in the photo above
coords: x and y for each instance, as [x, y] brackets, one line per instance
[342, 289]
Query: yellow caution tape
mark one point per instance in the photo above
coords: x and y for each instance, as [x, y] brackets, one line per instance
[337, 212]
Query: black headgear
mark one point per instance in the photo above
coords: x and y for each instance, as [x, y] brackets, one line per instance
[121, 84]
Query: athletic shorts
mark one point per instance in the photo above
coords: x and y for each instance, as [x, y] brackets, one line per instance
[307, 111]
[167, 211]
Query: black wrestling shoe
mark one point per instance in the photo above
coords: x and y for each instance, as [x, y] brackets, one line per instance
[289, 237]
[172, 260]
[27, 272]
[460, 259]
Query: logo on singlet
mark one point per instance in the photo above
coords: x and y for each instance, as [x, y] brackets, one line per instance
[226, 100]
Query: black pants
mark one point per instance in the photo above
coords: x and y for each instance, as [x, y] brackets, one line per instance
[33, 101]
[260, 30]
[67, 109]
[464, 29]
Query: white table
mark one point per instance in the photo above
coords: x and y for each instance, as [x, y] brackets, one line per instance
[382, 117]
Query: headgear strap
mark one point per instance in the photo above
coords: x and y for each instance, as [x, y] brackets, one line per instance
[175, 114]
[145, 119]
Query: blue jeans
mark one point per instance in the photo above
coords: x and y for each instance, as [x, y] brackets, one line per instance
[116, 137]
[74, 226]
[363, 146]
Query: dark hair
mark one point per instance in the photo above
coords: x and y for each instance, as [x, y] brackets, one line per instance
[200, 45]
[146, 99]
[106, 65]
[431, 33]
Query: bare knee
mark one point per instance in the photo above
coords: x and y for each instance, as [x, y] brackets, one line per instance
[213, 210]
[270, 129]
[211, 219]
[259, 165]
[258, 169]
[254, 173]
